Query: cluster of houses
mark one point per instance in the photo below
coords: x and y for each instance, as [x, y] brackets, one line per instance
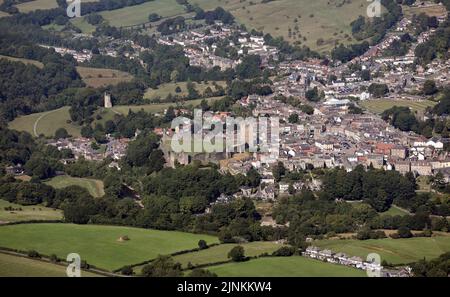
[82, 56]
[342, 259]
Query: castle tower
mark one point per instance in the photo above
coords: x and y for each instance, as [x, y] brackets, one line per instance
[108, 103]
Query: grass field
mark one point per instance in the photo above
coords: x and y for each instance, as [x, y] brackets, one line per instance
[285, 267]
[436, 10]
[396, 251]
[378, 106]
[394, 211]
[26, 61]
[95, 187]
[14, 266]
[46, 123]
[98, 77]
[3, 14]
[133, 15]
[98, 245]
[30, 212]
[326, 19]
[169, 88]
[220, 253]
[36, 4]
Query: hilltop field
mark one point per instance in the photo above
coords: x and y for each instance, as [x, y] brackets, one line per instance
[94, 186]
[380, 105]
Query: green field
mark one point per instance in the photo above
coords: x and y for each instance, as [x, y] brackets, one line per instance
[134, 15]
[330, 18]
[219, 253]
[396, 251]
[98, 245]
[15, 266]
[29, 212]
[285, 267]
[169, 88]
[394, 211]
[378, 106]
[95, 187]
[26, 61]
[46, 123]
[36, 4]
[99, 77]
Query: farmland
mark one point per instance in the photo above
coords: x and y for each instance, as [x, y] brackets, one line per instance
[378, 106]
[30, 212]
[99, 77]
[25, 61]
[46, 123]
[169, 88]
[95, 187]
[98, 245]
[396, 251]
[284, 267]
[36, 4]
[14, 266]
[219, 253]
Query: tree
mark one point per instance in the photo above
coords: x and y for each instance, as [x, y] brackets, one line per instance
[153, 17]
[237, 254]
[429, 87]
[201, 273]
[202, 244]
[61, 133]
[162, 266]
[127, 270]
[293, 118]
[404, 232]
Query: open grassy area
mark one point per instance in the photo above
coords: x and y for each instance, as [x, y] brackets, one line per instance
[380, 105]
[95, 187]
[133, 15]
[3, 14]
[435, 10]
[394, 211]
[36, 4]
[169, 88]
[396, 251]
[46, 123]
[26, 61]
[30, 212]
[326, 19]
[220, 252]
[98, 77]
[98, 245]
[15, 266]
[285, 267]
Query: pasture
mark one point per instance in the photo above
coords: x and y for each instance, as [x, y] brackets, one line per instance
[294, 266]
[169, 88]
[220, 252]
[394, 211]
[95, 187]
[309, 20]
[36, 4]
[99, 245]
[396, 251]
[100, 77]
[435, 10]
[25, 61]
[15, 266]
[29, 212]
[380, 105]
[46, 123]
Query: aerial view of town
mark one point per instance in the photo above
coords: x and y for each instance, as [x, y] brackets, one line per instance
[224, 138]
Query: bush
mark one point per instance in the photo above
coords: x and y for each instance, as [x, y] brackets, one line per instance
[126, 270]
[54, 258]
[237, 254]
[285, 251]
[33, 254]
[202, 244]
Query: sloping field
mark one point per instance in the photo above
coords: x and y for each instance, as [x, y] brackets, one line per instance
[396, 251]
[378, 106]
[169, 88]
[98, 245]
[29, 212]
[99, 77]
[94, 186]
[285, 267]
[46, 123]
[37, 4]
[14, 266]
[326, 19]
[26, 61]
